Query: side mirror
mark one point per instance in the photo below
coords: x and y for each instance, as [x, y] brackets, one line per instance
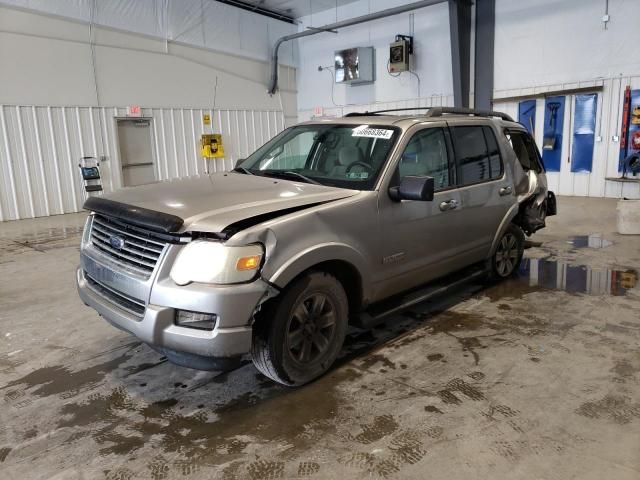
[414, 188]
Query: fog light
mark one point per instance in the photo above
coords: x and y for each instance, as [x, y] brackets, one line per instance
[199, 321]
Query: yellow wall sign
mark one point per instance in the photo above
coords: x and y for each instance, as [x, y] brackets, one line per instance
[211, 145]
[206, 119]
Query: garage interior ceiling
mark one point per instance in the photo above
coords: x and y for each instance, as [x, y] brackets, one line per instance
[297, 8]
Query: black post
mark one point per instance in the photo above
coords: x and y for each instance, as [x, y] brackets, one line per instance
[460, 30]
[484, 61]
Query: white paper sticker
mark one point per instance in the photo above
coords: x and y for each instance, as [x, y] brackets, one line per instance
[371, 132]
[358, 175]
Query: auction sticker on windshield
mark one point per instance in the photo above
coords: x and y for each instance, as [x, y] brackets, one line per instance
[366, 131]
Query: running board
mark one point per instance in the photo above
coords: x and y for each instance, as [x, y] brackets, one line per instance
[380, 312]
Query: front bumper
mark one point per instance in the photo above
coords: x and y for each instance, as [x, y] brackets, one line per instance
[234, 306]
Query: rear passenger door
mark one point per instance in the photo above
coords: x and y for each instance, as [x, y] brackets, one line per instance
[486, 192]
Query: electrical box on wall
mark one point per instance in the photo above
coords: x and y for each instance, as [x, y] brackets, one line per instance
[211, 145]
[354, 65]
[400, 53]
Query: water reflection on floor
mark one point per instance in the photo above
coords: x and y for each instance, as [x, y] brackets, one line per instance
[560, 275]
[594, 240]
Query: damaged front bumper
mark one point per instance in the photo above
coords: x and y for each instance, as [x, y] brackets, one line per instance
[102, 286]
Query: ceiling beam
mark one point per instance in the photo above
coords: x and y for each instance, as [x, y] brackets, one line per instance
[259, 10]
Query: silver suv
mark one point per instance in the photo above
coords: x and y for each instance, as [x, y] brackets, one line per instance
[325, 225]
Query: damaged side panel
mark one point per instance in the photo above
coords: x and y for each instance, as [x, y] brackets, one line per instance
[534, 199]
[304, 238]
[233, 228]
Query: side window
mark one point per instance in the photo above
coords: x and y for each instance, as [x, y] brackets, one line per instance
[495, 162]
[477, 154]
[525, 150]
[426, 155]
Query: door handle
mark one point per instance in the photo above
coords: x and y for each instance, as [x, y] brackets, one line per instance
[505, 191]
[448, 205]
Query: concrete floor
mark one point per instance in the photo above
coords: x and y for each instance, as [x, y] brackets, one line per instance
[517, 381]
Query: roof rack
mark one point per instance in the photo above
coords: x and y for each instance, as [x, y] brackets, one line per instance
[438, 112]
[378, 112]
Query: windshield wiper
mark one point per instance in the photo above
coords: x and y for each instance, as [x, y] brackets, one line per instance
[246, 171]
[290, 174]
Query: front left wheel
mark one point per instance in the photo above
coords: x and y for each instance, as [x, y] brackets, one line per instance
[298, 336]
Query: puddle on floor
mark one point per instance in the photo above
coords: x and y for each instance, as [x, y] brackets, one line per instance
[594, 240]
[559, 275]
[49, 238]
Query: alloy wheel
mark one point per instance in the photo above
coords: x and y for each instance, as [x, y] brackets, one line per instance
[507, 255]
[311, 328]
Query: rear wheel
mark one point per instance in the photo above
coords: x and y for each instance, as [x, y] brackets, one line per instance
[298, 337]
[508, 255]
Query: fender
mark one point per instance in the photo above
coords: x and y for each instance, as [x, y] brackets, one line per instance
[509, 216]
[324, 252]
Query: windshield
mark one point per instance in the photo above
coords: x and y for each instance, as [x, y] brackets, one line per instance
[346, 156]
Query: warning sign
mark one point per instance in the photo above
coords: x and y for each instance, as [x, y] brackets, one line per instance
[211, 145]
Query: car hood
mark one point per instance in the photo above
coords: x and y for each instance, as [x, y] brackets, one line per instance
[209, 203]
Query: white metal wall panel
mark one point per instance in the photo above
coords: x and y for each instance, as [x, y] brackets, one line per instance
[41, 147]
[606, 152]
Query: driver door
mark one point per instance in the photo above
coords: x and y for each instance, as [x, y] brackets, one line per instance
[418, 237]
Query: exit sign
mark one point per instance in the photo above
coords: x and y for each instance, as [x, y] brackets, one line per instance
[134, 111]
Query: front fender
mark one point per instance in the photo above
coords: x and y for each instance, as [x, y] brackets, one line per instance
[325, 252]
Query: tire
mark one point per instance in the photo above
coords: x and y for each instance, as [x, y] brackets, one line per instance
[298, 335]
[505, 261]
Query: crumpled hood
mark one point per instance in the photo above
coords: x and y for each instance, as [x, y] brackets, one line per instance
[209, 203]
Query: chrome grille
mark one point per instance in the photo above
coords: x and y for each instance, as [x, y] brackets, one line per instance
[140, 250]
[128, 304]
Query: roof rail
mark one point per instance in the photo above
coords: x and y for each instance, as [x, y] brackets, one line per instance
[360, 114]
[378, 112]
[438, 112]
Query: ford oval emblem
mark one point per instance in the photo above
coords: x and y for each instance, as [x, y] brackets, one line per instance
[116, 242]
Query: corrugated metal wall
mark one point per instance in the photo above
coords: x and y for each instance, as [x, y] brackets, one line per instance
[40, 148]
[606, 152]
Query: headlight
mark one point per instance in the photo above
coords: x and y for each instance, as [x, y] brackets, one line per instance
[213, 262]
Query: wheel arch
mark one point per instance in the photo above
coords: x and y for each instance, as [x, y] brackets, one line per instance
[504, 224]
[340, 260]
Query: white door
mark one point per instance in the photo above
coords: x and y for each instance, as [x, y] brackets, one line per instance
[136, 154]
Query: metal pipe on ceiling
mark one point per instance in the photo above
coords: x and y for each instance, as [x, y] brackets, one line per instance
[273, 82]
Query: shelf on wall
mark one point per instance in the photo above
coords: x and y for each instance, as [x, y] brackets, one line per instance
[623, 180]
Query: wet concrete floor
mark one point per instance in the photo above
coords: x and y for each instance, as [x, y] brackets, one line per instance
[536, 377]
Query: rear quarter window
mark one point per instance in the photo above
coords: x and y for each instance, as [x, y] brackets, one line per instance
[525, 149]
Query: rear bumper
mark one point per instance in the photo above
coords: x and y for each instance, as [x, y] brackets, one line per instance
[234, 305]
